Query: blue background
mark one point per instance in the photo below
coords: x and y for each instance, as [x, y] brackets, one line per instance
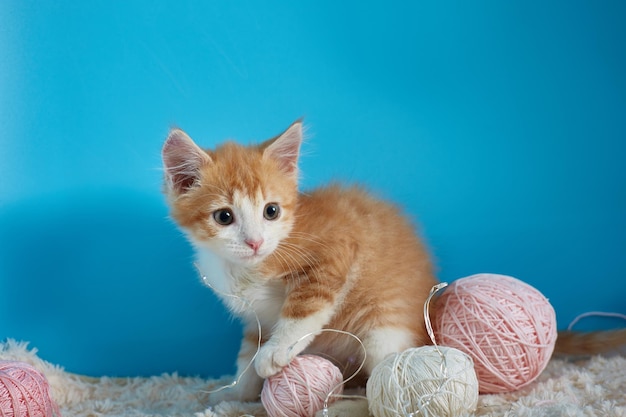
[499, 126]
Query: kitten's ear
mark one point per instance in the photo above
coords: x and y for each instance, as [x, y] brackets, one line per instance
[182, 160]
[285, 148]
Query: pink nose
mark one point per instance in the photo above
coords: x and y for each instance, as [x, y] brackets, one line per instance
[255, 244]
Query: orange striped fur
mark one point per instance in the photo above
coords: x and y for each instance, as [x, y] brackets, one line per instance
[333, 258]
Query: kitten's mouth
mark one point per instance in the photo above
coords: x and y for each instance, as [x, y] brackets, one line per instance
[253, 257]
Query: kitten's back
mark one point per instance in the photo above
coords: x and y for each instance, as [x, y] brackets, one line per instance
[391, 273]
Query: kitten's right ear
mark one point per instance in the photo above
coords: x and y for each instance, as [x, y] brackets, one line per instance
[285, 148]
[182, 160]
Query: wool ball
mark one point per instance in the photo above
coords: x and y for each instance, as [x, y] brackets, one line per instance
[425, 381]
[505, 325]
[301, 387]
[24, 392]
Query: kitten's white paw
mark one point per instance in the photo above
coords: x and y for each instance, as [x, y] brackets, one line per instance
[271, 359]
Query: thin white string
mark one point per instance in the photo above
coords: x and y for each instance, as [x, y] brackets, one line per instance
[595, 314]
[429, 327]
[431, 333]
[258, 322]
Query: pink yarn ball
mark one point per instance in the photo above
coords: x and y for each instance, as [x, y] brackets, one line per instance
[505, 325]
[24, 392]
[301, 388]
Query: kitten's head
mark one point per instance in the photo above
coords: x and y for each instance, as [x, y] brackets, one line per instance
[235, 200]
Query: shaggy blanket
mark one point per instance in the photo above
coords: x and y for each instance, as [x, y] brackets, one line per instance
[593, 386]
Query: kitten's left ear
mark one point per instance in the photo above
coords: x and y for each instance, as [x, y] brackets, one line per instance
[285, 148]
[182, 160]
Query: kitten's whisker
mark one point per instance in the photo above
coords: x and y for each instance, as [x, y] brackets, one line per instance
[286, 264]
[310, 260]
[313, 263]
[314, 239]
[288, 246]
[294, 252]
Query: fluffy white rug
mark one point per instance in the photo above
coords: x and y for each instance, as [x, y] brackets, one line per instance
[585, 387]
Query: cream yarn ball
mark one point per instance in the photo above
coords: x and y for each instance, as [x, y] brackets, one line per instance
[434, 381]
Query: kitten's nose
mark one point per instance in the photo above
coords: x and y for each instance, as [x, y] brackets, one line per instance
[255, 244]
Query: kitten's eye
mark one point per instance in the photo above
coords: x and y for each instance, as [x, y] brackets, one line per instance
[223, 216]
[271, 211]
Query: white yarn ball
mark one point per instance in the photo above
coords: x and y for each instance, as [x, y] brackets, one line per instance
[434, 381]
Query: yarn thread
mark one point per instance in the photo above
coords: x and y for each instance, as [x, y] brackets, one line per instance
[336, 391]
[425, 381]
[302, 388]
[25, 392]
[258, 323]
[505, 325]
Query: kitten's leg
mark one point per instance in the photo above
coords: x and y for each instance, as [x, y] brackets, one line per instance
[383, 341]
[249, 385]
[311, 302]
[291, 336]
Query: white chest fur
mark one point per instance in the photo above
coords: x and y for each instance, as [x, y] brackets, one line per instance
[244, 292]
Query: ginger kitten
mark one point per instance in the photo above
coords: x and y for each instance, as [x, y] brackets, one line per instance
[332, 258]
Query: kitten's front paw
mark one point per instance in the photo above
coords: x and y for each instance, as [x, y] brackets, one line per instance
[271, 359]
